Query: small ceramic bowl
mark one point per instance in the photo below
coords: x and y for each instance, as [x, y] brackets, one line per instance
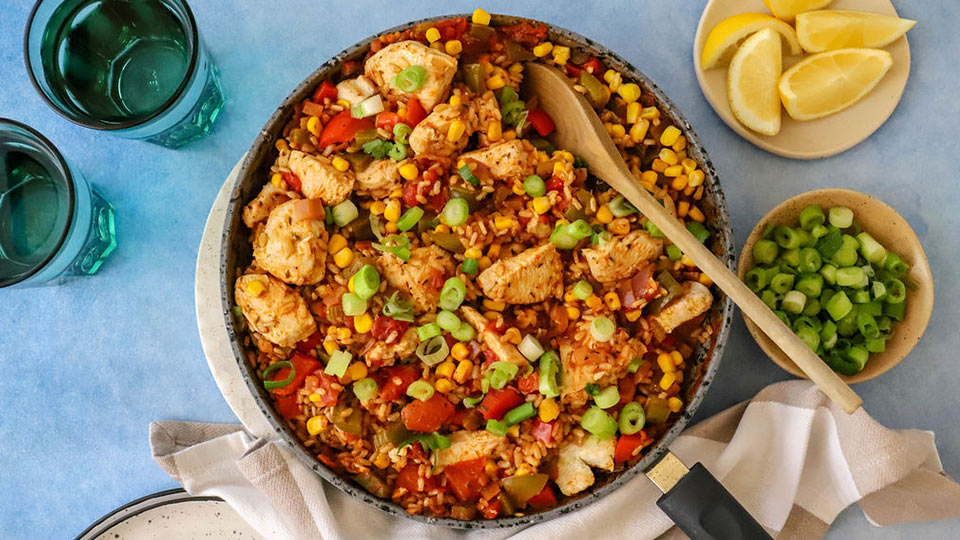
[891, 230]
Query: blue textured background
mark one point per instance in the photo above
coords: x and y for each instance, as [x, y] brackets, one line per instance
[86, 366]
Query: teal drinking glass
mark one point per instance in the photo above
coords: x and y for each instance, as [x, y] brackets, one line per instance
[135, 68]
[53, 226]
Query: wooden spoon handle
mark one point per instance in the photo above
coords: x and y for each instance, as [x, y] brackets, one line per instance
[751, 305]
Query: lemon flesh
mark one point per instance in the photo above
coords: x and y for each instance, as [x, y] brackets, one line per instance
[826, 30]
[831, 81]
[752, 82]
[788, 9]
[730, 32]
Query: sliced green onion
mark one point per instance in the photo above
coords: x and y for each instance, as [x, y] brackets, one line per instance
[781, 283]
[879, 290]
[410, 218]
[598, 423]
[368, 107]
[810, 260]
[793, 302]
[353, 305]
[811, 216]
[791, 257]
[871, 250]
[654, 231]
[421, 390]
[875, 345]
[818, 231]
[786, 237]
[400, 132]
[621, 207]
[840, 217]
[452, 294]
[838, 306]
[464, 332]
[398, 152]
[270, 385]
[810, 337]
[433, 350]
[501, 373]
[895, 311]
[867, 325]
[338, 363]
[583, 289]
[851, 276]
[562, 239]
[455, 212]
[769, 298]
[549, 367]
[765, 251]
[398, 309]
[608, 397]
[519, 414]
[468, 175]
[810, 284]
[896, 291]
[497, 427]
[632, 418]
[411, 78]
[365, 389]
[344, 213]
[829, 273]
[366, 282]
[895, 265]
[396, 244]
[602, 328]
[698, 230]
[534, 186]
[448, 320]
[674, 253]
[471, 402]
[579, 229]
[530, 348]
[756, 279]
[470, 266]
[634, 365]
[428, 331]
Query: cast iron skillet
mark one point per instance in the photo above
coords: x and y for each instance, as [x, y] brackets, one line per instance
[235, 255]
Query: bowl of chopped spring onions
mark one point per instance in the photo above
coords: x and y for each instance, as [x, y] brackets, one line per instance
[847, 274]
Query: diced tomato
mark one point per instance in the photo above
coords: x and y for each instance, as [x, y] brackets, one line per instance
[386, 120]
[628, 389]
[467, 478]
[437, 201]
[426, 416]
[394, 380]
[383, 326]
[327, 460]
[555, 184]
[529, 384]
[409, 479]
[310, 343]
[492, 510]
[572, 69]
[350, 67]
[542, 431]
[326, 389]
[287, 406]
[325, 90]
[489, 357]
[303, 365]
[526, 33]
[541, 122]
[594, 66]
[546, 497]
[292, 180]
[415, 112]
[627, 446]
[343, 128]
[668, 341]
[451, 28]
[498, 402]
[410, 192]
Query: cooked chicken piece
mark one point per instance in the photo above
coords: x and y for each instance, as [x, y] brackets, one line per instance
[620, 257]
[506, 160]
[319, 179]
[293, 244]
[696, 299]
[430, 135]
[274, 310]
[421, 277]
[467, 445]
[504, 350]
[379, 179]
[269, 198]
[483, 110]
[590, 362]
[383, 66]
[531, 276]
[382, 353]
[574, 461]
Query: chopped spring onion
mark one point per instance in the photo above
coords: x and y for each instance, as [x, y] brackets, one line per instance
[270, 385]
[601, 236]
[464, 332]
[428, 331]
[793, 302]
[344, 213]
[634, 365]
[632, 418]
[433, 351]
[608, 397]
[838, 306]
[396, 244]
[549, 369]
[455, 212]
[519, 414]
[810, 260]
[781, 283]
[500, 373]
[530, 348]
[365, 389]
[338, 363]
[895, 265]
[579, 229]
[421, 390]
[786, 237]
[583, 289]
[621, 207]
[366, 282]
[400, 132]
[368, 107]
[765, 252]
[411, 78]
[448, 320]
[410, 218]
[840, 217]
[852, 276]
[819, 231]
[470, 266]
[812, 216]
[399, 151]
[867, 325]
[468, 175]
[698, 230]
[896, 291]
[497, 427]
[471, 402]
[598, 423]
[756, 279]
[452, 294]
[674, 253]
[398, 309]
[535, 186]
[810, 284]
[602, 328]
[654, 231]
[562, 239]
[871, 250]
[353, 305]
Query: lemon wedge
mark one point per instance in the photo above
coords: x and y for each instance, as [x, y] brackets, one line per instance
[788, 9]
[825, 30]
[730, 32]
[752, 82]
[831, 81]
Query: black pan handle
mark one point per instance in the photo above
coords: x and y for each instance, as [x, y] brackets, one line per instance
[705, 510]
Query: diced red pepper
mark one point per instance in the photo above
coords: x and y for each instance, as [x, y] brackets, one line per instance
[498, 402]
[594, 66]
[415, 112]
[292, 180]
[426, 416]
[326, 389]
[303, 365]
[343, 128]
[395, 380]
[383, 326]
[492, 510]
[627, 445]
[546, 497]
[386, 120]
[467, 478]
[409, 479]
[325, 90]
[310, 343]
[451, 28]
[529, 384]
[410, 191]
[287, 406]
[555, 184]
[572, 69]
[542, 431]
[541, 122]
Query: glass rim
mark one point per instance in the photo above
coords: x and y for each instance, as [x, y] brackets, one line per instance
[71, 191]
[191, 69]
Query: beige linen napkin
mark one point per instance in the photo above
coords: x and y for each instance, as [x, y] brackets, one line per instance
[792, 458]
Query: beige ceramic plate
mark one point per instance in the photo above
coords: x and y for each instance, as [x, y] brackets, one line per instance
[891, 230]
[815, 138]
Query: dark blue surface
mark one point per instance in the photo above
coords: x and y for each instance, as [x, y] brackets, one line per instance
[88, 365]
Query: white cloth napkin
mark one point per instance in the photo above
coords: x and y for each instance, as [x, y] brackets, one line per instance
[792, 458]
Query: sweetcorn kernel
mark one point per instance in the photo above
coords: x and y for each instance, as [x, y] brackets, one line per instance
[696, 215]
[561, 54]
[667, 381]
[382, 461]
[377, 208]
[340, 164]
[432, 34]
[276, 179]
[604, 215]
[612, 300]
[696, 178]
[514, 430]
[344, 333]
[494, 305]
[343, 258]
[443, 385]
[675, 404]
[445, 369]
[463, 370]
[313, 126]
[677, 357]
[633, 315]
[594, 302]
[630, 92]
[494, 131]
[541, 205]
[639, 130]
[357, 371]
[315, 425]
[666, 363]
[473, 253]
[512, 335]
[363, 323]
[453, 47]
[409, 171]
[633, 112]
[480, 16]
[669, 136]
[392, 210]
[542, 49]
[549, 410]
[330, 346]
[495, 82]
[705, 280]
[573, 313]
[459, 351]
[336, 243]
[256, 287]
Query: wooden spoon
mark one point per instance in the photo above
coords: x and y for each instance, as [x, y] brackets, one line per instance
[580, 131]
